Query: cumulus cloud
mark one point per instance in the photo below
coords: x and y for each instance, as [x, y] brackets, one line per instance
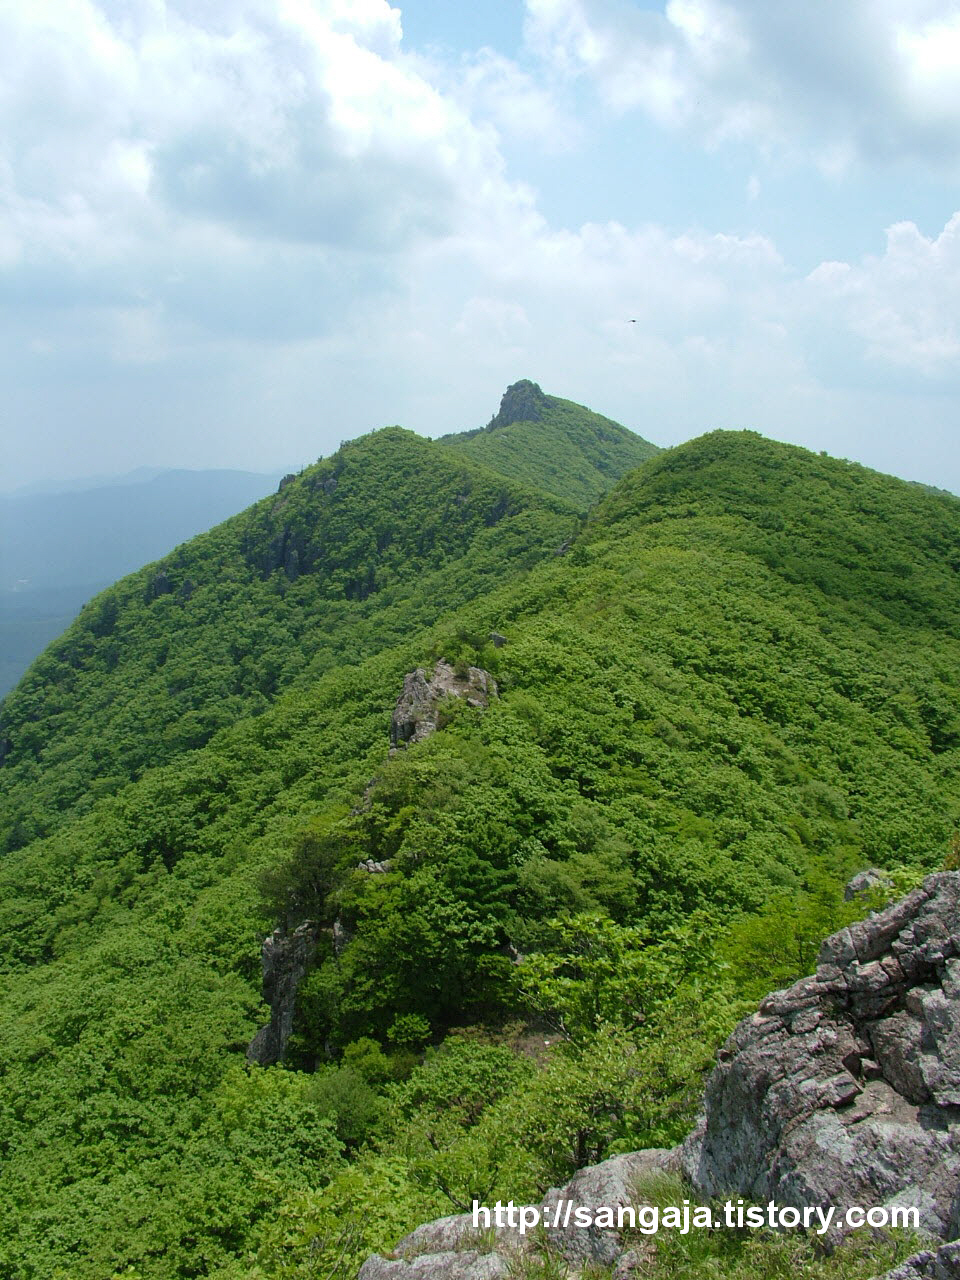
[182, 179]
[266, 221]
[670, 333]
[295, 121]
[493, 88]
[865, 79]
[902, 304]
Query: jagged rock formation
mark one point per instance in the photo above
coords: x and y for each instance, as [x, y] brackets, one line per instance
[523, 401]
[942, 1264]
[417, 711]
[452, 1249]
[845, 1088]
[842, 1090]
[375, 868]
[285, 960]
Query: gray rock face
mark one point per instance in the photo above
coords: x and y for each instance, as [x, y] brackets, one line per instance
[943, 1264]
[417, 711]
[452, 1249]
[285, 960]
[608, 1184]
[523, 401]
[845, 1088]
[863, 882]
[463, 1264]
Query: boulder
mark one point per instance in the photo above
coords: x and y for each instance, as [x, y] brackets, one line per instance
[464, 1264]
[941, 1264]
[452, 1248]
[864, 881]
[610, 1184]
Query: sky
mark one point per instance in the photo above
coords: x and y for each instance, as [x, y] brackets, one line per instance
[234, 233]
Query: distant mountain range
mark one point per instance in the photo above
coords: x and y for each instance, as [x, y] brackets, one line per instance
[57, 550]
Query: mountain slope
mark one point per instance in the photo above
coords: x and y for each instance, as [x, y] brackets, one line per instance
[58, 550]
[869, 540]
[100, 533]
[348, 557]
[555, 445]
[709, 706]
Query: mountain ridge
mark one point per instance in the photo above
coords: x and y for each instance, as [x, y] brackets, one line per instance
[558, 445]
[297, 557]
[714, 704]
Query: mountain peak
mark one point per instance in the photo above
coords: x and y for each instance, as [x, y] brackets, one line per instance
[555, 445]
[522, 401]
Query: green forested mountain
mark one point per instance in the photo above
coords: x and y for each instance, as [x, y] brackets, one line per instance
[59, 549]
[556, 445]
[735, 685]
[348, 558]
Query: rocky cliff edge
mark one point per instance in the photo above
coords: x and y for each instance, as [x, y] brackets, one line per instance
[842, 1090]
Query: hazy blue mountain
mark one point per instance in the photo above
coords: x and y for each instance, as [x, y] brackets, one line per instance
[57, 550]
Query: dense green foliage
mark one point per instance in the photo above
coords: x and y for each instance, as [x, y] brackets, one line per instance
[360, 549]
[715, 706]
[568, 451]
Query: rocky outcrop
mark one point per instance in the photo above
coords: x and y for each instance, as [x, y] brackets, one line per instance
[844, 1089]
[864, 882]
[159, 585]
[452, 1248]
[285, 959]
[523, 401]
[417, 712]
[942, 1264]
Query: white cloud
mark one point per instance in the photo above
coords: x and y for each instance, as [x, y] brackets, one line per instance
[297, 121]
[257, 227]
[903, 304]
[862, 79]
[492, 87]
